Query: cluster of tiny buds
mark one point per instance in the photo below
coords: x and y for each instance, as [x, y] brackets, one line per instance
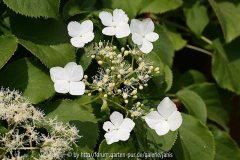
[22, 136]
[136, 110]
[116, 75]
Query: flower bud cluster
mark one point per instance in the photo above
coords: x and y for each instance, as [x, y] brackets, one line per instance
[22, 134]
[136, 110]
[117, 75]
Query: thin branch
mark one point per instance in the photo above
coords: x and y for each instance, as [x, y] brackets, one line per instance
[198, 49]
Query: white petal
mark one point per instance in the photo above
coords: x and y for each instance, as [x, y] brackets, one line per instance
[119, 16]
[61, 86]
[136, 26]
[123, 134]
[162, 128]
[122, 30]
[88, 37]
[166, 107]
[73, 71]
[148, 26]
[137, 38]
[108, 126]
[127, 124]
[77, 42]
[153, 118]
[86, 26]
[146, 46]
[106, 18]
[57, 73]
[152, 37]
[74, 29]
[116, 118]
[175, 120]
[110, 31]
[77, 88]
[111, 137]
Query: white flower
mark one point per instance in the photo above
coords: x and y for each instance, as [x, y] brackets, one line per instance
[118, 128]
[116, 24]
[166, 118]
[67, 79]
[80, 33]
[143, 35]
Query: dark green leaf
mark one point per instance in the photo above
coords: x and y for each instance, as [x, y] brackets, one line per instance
[35, 8]
[216, 101]
[228, 14]
[195, 141]
[8, 45]
[191, 77]
[194, 104]
[84, 58]
[29, 77]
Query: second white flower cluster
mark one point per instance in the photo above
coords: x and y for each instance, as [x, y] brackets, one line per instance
[116, 25]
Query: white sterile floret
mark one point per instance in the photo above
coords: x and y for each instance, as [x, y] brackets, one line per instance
[118, 128]
[143, 35]
[117, 24]
[80, 33]
[67, 79]
[166, 118]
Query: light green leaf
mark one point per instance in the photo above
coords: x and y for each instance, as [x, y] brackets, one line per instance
[69, 111]
[119, 150]
[176, 38]
[194, 104]
[104, 108]
[163, 47]
[226, 148]
[29, 77]
[228, 14]
[74, 7]
[35, 8]
[8, 45]
[195, 141]
[216, 102]
[191, 77]
[130, 7]
[196, 17]
[148, 139]
[225, 65]
[159, 6]
[46, 39]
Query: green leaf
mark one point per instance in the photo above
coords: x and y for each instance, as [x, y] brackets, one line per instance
[228, 14]
[69, 111]
[226, 148]
[105, 109]
[148, 139]
[36, 8]
[118, 150]
[225, 65]
[29, 77]
[8, 45]
[130, 7]
[3, 130]
[194, 104]
[195, 141]
[176, 38]
[163, 47]
[191, 77]
[159, 6]
[216, 101]
[196, 17]
[84, 58]
[74, 7]
[46, 39]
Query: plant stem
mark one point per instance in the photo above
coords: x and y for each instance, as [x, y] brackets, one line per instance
[112, 41]
[206, 40]
[93, 100]
[198, 49]
[171, 95]
[115, 103]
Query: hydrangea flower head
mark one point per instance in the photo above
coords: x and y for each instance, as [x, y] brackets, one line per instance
[80, 33]
[67, 79]
[118, 128]
[116, 24]
[143, 35]
[166, 118]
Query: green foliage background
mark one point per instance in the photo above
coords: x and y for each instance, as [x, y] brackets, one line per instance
[33, 38]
